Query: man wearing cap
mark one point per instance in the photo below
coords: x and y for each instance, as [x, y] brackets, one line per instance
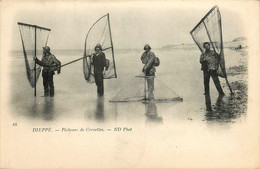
[50, 64]
[99, 61]
[147, 59]
[209, 65]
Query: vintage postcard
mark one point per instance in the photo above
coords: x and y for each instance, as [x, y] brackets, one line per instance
[130, 84]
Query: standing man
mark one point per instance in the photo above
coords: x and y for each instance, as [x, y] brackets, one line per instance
[99, 62]
[209, 65]
[149, 70]
[50, 64]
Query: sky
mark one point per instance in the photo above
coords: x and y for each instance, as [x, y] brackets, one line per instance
[133, 23]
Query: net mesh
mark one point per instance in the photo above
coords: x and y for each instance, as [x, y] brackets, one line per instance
[28, 36]
[209, 30]
[135, 91]
[99, 33]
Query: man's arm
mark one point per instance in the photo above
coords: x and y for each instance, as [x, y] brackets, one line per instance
[39, 62]
[203, 58]
[142, 58]
[104, 63]
[150, 61]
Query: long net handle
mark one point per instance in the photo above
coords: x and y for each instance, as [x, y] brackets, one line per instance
[71, 62]
[145, 89]
[220, 65]
[112, 47]
[35, 38]
[79, 59]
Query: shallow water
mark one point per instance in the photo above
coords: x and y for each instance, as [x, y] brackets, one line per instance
[157, 134]
[77, 100]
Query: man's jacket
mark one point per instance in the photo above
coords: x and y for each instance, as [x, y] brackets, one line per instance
[50, 64]
[147, 59]
[209, 60]
[99, 62]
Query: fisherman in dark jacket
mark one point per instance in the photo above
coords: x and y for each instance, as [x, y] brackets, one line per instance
[50, 64]
[147, 59]
[99, 61]
[209, 65]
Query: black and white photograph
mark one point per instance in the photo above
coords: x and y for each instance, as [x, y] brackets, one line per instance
[129, 84]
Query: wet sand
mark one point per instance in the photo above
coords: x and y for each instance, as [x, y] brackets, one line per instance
[231, 107]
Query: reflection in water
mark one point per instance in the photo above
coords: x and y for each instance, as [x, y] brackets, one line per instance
[33, 109]
[222, 111]
[219, 101]
[38, 108]
[151, 113]
[208, 102]
[99, 113]
[48, 108]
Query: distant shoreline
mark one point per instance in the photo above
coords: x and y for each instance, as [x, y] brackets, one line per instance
[231, 45]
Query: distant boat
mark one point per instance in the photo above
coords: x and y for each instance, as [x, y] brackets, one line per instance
[168, 46]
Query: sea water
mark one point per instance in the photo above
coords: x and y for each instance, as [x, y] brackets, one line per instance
[75, 99]
[148, 130]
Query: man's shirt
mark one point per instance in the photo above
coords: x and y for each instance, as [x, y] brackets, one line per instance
[209, 60]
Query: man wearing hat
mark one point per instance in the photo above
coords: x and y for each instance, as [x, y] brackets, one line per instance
[209, 65]
[147, 59]
[99, 62]
[50, 64]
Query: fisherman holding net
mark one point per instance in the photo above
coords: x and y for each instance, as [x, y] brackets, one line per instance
[98, 59]
[148, 58]
[210, 61]
[50, 64]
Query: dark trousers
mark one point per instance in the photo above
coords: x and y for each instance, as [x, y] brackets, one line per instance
[99, 82]
[48, 84]
[214, 76]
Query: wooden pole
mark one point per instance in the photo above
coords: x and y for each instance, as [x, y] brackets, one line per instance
[112, 45]
[80, 58]
[225, 74]
[35, 63]
[71, 62]
[145, 88]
